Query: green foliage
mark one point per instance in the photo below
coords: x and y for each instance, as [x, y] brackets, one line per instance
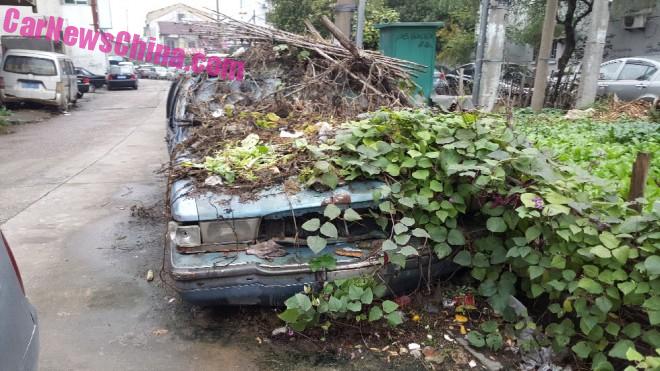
[551, 229]
[288, 15]
[606, 150]
[242, 160]
[457, 39]
[376, 12]
[356, 299]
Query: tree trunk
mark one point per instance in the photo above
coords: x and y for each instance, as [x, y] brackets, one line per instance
[569, 48]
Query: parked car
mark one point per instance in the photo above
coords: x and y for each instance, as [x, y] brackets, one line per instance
[161, 73]
[146, 72]
[122, 77]
[211, 232]
[37, 76]
[95, 80]
[83, 85]
[19, 343]
[631, 78]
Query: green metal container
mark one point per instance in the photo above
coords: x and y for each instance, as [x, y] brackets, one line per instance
[415, 42]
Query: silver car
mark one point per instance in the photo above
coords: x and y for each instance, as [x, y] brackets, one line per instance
[631, 78]
[19, 335]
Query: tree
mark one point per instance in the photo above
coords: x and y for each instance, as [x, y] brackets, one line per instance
[574, 11]
[375, 13]
[418, 10]
[288, 15]
[457, 39]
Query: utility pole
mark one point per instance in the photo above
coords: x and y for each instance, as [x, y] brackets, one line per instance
[359, 35]
[593, 54]
[493, 56]
[95, 14]
[217, 10]
[541, 78]
[481, 45]
[343, 15]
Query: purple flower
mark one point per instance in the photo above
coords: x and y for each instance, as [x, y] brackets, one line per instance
[538, 203]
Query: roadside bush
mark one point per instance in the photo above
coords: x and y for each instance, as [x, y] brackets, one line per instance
[474, 191]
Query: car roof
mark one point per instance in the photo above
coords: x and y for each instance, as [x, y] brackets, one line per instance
[35, 53]
[655, 59]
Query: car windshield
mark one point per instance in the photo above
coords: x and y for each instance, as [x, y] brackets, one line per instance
[121, 70]
[30, 65]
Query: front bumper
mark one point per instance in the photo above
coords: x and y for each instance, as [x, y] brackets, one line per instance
[240, 279]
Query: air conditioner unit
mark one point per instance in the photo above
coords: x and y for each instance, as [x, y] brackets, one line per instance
[633, 22]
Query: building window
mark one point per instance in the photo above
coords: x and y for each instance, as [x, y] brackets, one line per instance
[79, 2]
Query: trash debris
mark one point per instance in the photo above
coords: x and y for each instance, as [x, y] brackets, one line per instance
[266, 250]
[403, 350]
[448, 338]
[460, 318]
[279, 331]
[416, 353]
[295, 134]
[160, 332]
[349, 252]
[431, 308]
[472, 363]
[150, 275]
[403, 301]
[432, 355]
[577, 114]
[213, 181]
[414, 346]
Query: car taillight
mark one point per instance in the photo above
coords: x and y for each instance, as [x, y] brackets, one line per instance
[13, 263]
[109, 77]
[2, 82]
[133, 77]
[86, 80]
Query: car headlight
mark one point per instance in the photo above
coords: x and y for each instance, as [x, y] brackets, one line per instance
[230, 231]
[184, 235]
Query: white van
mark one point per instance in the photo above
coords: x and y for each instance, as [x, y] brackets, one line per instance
[36, 76]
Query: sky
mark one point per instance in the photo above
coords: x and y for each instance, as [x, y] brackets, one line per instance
[129, 15]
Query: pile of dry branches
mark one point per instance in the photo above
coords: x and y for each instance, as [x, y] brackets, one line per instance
[336, 80]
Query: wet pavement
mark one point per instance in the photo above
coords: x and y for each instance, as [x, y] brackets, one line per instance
[81, 204]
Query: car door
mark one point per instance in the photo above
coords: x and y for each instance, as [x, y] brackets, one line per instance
[633, 80]
[73, 79]
[609, 71]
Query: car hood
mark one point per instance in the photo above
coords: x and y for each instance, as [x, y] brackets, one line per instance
[191, 205]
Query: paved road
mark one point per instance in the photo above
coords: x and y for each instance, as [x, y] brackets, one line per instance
[67, 187]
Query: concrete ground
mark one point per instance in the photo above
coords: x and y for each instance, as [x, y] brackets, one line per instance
[81, 204]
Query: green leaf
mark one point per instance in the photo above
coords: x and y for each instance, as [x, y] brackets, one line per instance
[533, 233]
[300, 301]
[590, 285]
[400, 228]
[316, 243]
[402, 239]
[393, 169]
[420, 233]
[528, 199]
[652, 264]
[456, 238]
[627, 287]
[535, 272]
[312, 225]
[494, 341]
[290, 315]
[394, 319]
[367, 297]
[334, 304]
[389, 306]
[556, 198]
[408, 251]
[488, 327]
[408, 222]
[554, 210]
[354, 306]
[496, 224]
[389, 245]
[621, 254]
[601, 252]
[355, 292]
[375, 314]
[632, 330]
[351, 215]
[604, 304]
[325, 261]
[620, 349]
[332, 212]
[442, 250]
[330, 179]
[476, 339]
[397, 259]
[329, 230]
[436, 186]
[633, 355]
[609, 240]
[420, 174]
[582, 349]
[463, 258]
